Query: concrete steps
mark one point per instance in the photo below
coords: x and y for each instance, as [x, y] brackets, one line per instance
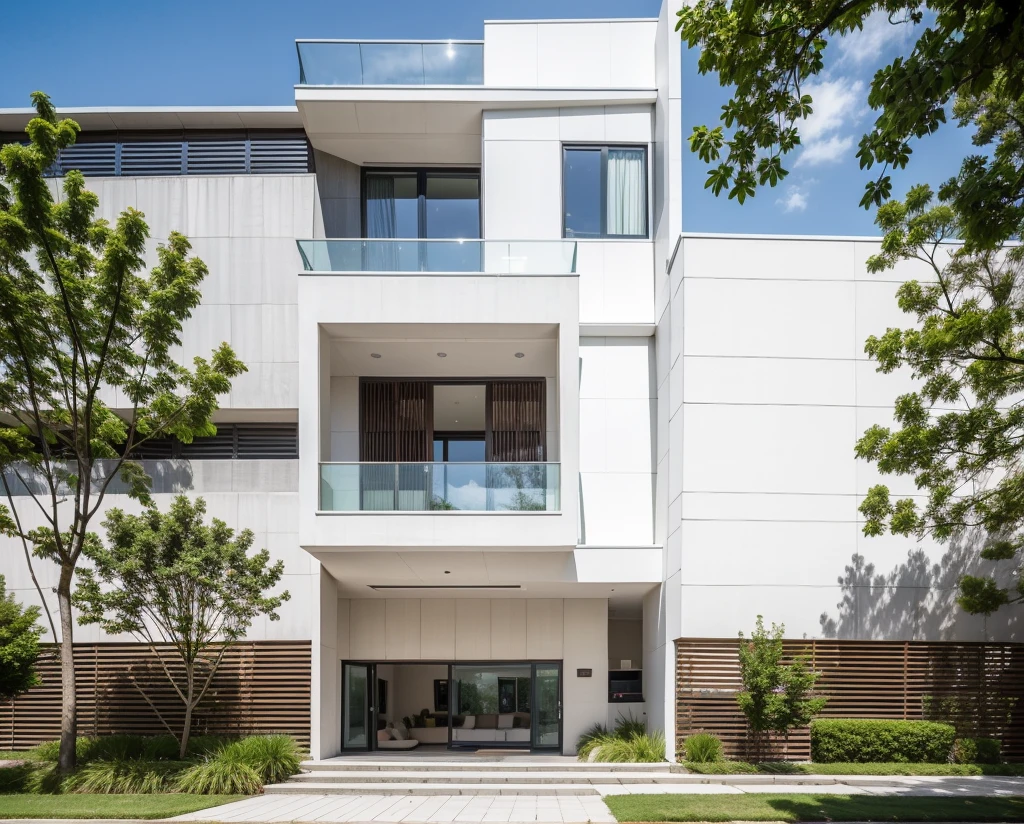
[349, 776]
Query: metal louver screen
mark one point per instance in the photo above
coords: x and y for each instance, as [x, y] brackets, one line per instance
[216, 157]
[517, 420]
[273, 157]
[154, 450]
[267, 440]
[193, 156]
[397, 420]
[151, 159]
[219, 446]
[91, 159]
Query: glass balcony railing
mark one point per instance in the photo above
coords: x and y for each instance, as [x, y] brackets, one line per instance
[439, 487]
[391, 63]
[490, 257]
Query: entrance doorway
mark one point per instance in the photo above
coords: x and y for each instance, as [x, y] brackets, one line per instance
[466, 705]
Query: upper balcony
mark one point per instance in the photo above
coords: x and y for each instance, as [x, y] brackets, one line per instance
[390, 62]
[441, 256]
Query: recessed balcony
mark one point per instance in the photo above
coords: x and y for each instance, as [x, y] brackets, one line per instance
[391, 63]
[487, 257]
[440, 487]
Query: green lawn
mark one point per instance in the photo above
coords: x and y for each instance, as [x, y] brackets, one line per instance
[789, 768]
[15, 755]
[107, 806]
[758, 807]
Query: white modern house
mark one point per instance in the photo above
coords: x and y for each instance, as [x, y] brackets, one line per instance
[522, 445]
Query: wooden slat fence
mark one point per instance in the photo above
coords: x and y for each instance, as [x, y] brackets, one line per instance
[260, 687]
[977, 687]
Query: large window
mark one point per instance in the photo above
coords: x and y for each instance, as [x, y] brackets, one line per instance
[604, 191]
[421, 204]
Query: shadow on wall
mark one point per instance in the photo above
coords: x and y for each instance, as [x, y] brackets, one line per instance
[168, 475]
[917, 599]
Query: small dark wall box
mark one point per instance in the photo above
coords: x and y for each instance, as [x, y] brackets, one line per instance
[584, 673]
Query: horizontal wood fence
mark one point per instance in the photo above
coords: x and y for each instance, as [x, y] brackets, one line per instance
[260, 687]
[977, 687]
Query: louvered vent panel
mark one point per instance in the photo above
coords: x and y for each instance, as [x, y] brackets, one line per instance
[216, 157]
[151, 159]
[279, 157]
[216, 447]
[268, 440]
[153, 450]
[91, 159]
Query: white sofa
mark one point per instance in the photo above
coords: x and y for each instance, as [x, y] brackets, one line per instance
[430, 735]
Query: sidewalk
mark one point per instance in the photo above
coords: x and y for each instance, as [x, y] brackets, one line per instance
[576, 809]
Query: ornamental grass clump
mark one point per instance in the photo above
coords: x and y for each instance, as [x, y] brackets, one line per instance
[124, 776]
[629, 742]
[223, 773]
[703, 748]
[272, 757]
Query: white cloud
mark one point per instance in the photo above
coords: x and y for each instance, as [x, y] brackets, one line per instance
[794, 201]
[835, 103]
[825, 151]
[874, 40]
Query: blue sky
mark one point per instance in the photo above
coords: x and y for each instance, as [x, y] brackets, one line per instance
[228, 52]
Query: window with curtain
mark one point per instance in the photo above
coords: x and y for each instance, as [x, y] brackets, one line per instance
[604, 191]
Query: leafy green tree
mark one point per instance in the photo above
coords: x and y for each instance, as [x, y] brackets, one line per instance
[172, 579]
[19, 645]
[961, 434]
[777, 689]
[82, 324]
[769, 52]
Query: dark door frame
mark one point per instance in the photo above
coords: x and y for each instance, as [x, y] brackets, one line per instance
[371, 705]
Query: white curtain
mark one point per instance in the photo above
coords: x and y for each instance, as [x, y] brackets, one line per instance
[627, 192]
[381, 222]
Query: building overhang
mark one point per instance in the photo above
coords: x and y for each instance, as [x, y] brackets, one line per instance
[163, 118]
[424, 125]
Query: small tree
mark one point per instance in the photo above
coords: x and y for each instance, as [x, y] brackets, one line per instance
[776, 693]
[170, 578]
[19, 645]
[81, 322]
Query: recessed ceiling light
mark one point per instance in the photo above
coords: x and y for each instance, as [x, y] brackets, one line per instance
[442, 354]
[375, 354]
[520, 355]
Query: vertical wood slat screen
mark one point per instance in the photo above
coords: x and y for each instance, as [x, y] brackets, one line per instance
[516, 416]
[977, 687]
[396, 420]
[260, 687]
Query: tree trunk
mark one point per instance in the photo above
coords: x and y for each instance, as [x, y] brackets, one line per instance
[189, 704]
[69, 705]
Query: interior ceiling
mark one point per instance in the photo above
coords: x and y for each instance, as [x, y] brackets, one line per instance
[538, 574]
[462, 359]
[460, 406]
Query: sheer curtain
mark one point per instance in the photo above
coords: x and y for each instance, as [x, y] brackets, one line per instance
[381, 222]
[627, 192]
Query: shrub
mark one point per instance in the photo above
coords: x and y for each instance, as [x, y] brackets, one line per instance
[124, 776]
[272, 757]
[596, 731]
[220, 774]
[637, 748]
[976, 751]
[862, 741]
[703, 748]
[627, 725]
[114, 747]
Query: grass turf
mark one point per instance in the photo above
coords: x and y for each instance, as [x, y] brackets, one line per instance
[107, 806]
[789, 768]
[765, 807]
[16, 755]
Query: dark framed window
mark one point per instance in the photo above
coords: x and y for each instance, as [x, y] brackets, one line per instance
[604, 191]
[421, 203]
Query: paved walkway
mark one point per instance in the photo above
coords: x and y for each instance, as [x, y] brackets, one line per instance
[425, 809]
[568, 809]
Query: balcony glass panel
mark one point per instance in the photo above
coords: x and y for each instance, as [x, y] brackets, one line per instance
[439, 487]
[390, 64]
[490, 257]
